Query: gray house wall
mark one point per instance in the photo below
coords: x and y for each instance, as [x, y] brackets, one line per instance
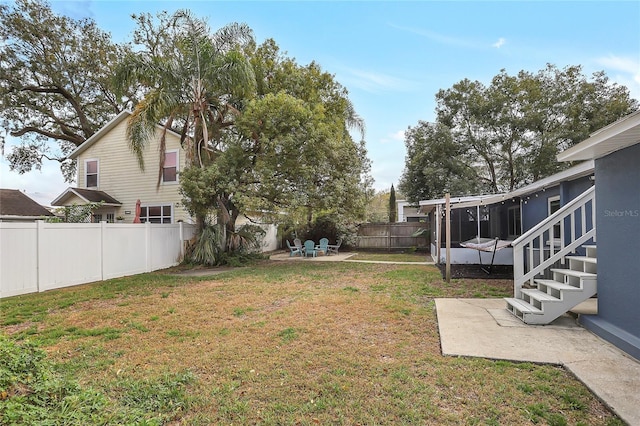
[536, 208]
[618, 240]
[571, 189]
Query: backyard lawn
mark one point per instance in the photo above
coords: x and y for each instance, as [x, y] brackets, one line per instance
[300, 343]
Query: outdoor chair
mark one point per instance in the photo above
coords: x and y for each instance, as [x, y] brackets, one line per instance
[298, 244]
[310, 248]
[333, 248]
[323, 246]
[293, 251]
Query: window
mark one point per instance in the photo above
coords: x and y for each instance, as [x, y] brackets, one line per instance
[170, 169]
[514, 221]
[156, 214]
[554, 206]
[91, 173]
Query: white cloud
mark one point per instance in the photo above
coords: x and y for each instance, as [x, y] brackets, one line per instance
[393, 137]
[438, 38]
[375, 82]
[43, 185]
[626, 71]
[498, 44]
[399, 135]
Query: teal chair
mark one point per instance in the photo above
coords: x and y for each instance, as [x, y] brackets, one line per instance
[323, 246]
[310, 249]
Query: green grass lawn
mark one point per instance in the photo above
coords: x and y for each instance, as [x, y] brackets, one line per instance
[276, 343]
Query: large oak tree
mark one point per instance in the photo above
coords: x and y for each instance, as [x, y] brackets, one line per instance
[55, 83]
[505, 135]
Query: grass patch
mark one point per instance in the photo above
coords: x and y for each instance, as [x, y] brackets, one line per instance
[273, 343]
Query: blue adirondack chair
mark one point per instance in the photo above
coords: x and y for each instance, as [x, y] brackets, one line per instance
[310, 249]
[323, 246]
[294, 251]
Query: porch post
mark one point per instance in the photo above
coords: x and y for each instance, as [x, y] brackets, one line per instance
[448, 232]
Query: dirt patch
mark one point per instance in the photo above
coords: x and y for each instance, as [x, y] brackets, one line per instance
[497, 272]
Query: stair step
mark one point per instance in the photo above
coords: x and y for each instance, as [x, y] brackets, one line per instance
[583, 259]
[539, 295]
[522, 306]
[573, 273]
[557, 285]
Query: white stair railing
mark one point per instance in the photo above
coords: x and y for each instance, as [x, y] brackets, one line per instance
[543, 248]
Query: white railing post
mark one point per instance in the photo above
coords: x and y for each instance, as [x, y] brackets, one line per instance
[518, 269]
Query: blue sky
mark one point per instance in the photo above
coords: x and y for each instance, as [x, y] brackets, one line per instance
[393, 57]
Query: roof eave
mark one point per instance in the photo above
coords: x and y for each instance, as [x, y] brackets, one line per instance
[621, 134]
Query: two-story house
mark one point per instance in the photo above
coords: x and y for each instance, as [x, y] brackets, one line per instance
[108, 172]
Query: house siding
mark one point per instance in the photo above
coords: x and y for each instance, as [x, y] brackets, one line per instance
[119, 174]
[618, 238]
[536, 209]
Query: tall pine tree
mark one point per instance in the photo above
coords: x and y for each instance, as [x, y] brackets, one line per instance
[392, 205]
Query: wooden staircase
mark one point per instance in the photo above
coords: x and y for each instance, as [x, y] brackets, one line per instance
[542, 290]
[551, 298]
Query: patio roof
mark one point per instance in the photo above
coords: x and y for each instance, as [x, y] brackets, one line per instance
[583, 169]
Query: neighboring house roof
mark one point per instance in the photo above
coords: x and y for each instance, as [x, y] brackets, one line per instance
[17, 205]
[103, 131]
[621, 134]
[583, 169]
[87, 195]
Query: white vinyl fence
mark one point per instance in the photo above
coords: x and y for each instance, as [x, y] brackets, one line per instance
[40, 256]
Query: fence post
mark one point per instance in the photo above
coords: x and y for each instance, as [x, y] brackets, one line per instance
[103, 232]
[39, 252]
[181, 241]
[147, 235]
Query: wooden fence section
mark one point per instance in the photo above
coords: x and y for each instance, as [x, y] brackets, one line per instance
[43, 256]
[392, 236]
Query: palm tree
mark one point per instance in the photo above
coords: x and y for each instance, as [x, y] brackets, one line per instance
[194, 82]
[191, 84]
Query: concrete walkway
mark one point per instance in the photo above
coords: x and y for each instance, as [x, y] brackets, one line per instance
[332, 258]
[340, 257]
[484, 328]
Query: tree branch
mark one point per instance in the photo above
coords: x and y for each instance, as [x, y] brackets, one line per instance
[75, 139]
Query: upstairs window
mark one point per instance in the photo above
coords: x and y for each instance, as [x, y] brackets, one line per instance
[91, 175]
[170, 169]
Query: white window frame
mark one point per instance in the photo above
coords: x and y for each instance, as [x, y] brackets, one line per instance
[172, 182]
[556, 228]
[162, 216]
[86, 169]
